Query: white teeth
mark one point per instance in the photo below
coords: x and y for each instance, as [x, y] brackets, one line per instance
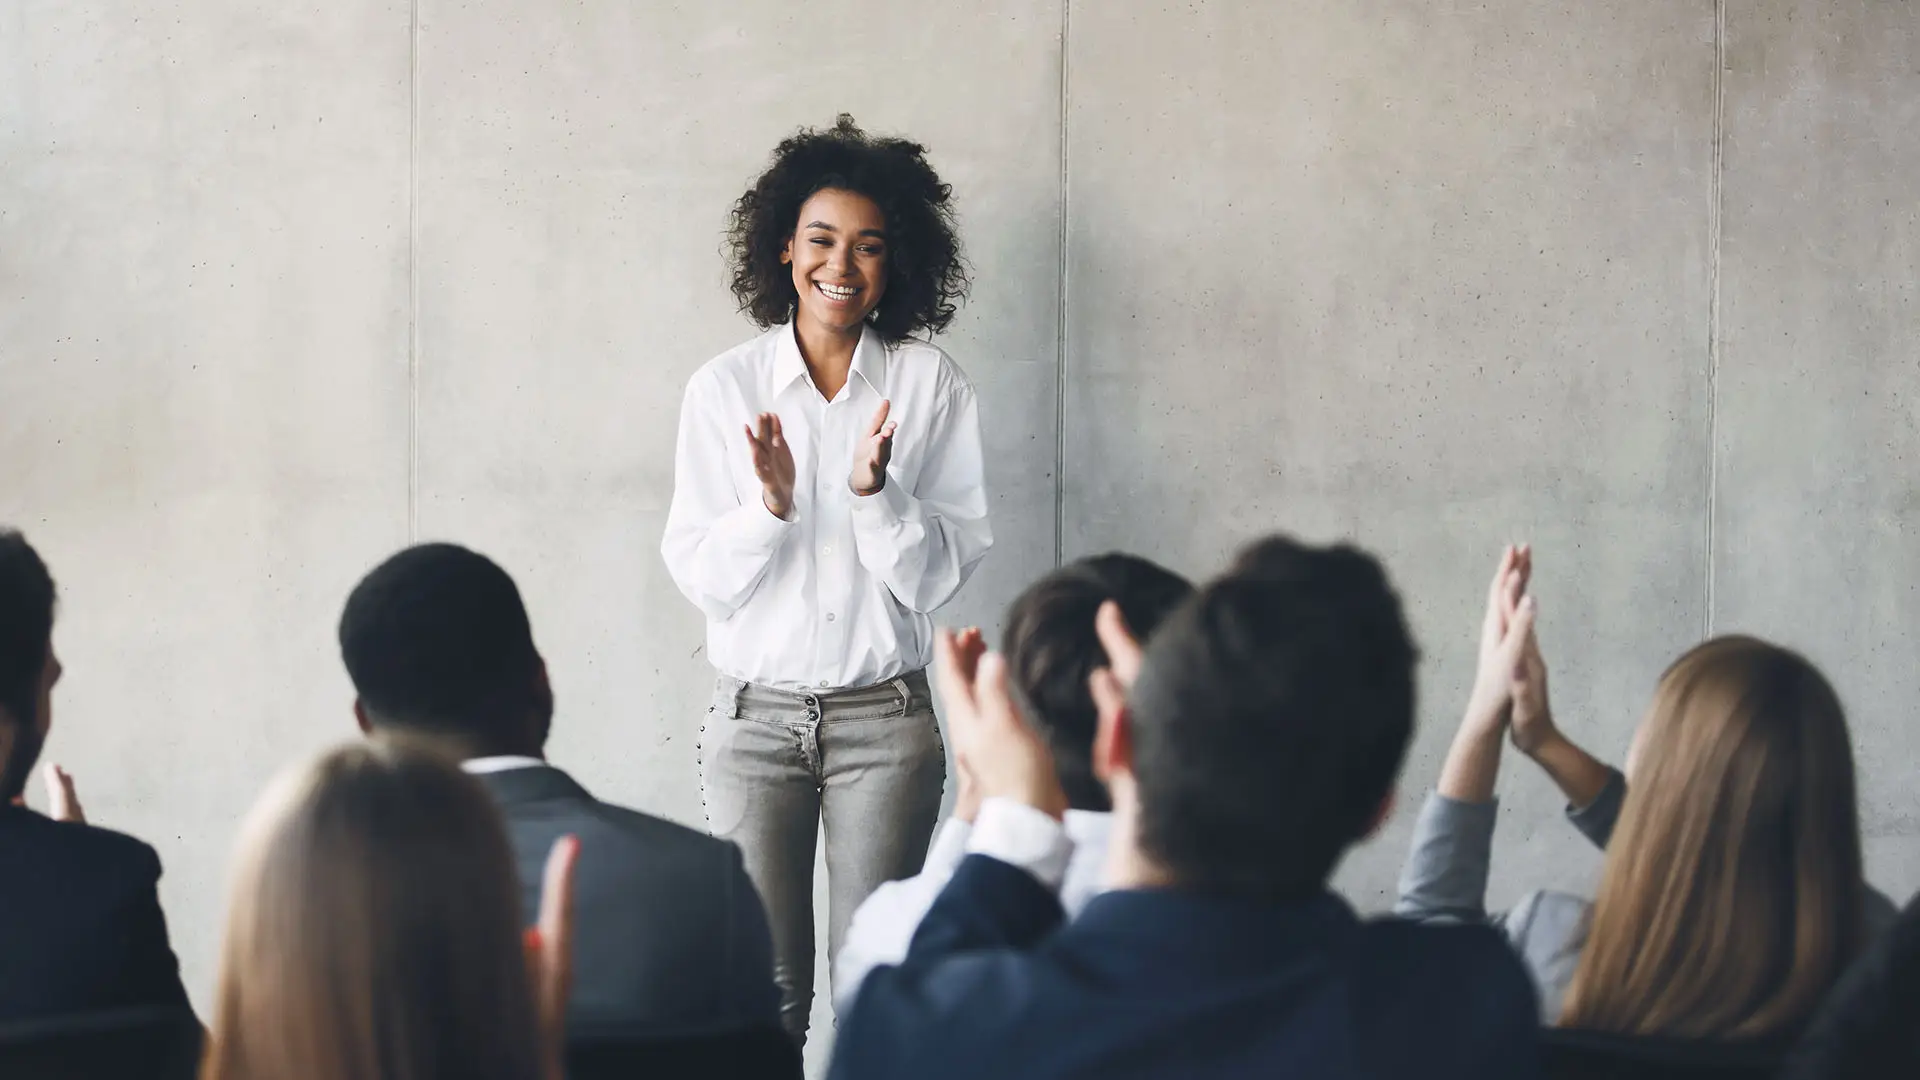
[835, 292]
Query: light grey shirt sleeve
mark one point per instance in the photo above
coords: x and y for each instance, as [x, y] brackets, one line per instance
[1597, 819]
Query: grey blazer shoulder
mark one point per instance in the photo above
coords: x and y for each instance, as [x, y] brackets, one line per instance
[670, 936]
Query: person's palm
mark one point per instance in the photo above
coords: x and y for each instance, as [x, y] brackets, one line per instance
[1532, 716]
[1491, 701]
[772, 463]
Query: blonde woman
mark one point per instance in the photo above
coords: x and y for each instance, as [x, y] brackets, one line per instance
[1731, 896]
[373, 932]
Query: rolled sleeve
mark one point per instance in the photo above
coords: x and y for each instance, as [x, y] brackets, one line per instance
[1597, 819]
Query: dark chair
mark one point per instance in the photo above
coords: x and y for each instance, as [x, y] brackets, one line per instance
[134, 1044]
[754, 1054]
[1572, 1054]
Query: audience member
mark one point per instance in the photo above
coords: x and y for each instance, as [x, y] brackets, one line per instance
[1732, 893]
[1261, 740]
[1868, 1028]
[1052, 650]
[374, 932]
[673, 939]
[82, 929]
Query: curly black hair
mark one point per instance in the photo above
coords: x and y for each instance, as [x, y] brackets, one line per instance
[926, 274]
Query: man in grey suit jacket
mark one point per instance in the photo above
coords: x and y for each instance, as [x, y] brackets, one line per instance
[671, 941]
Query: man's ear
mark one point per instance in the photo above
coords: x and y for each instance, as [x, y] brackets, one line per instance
[360, 717]
[1113, 737]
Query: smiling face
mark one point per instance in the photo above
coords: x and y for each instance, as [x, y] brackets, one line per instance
[838, 253]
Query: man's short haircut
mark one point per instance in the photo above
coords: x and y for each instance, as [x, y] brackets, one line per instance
[437, 642]
[26, 633]
[1271, 716]
[1052, 649]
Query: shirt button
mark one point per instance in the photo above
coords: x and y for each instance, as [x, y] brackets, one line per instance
[823, 684]
[827, 550]
[830, 616]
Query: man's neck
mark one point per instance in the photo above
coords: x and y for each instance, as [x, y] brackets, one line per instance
[1128, 867]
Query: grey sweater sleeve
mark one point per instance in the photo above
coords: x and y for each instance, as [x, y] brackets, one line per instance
[1597, 819]
[1445, 877]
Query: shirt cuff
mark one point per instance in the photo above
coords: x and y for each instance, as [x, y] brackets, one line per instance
[755, 525]
[1021, 836]
[885, 507]
[949, 846]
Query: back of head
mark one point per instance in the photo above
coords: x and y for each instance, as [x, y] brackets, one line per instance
[437, 643]
[1732, 894]
[1270, 718]
[373, 929]
[1052, 650]
[26, 634]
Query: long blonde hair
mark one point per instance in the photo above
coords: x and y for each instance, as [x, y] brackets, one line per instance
[1732, 893]
[373, 930]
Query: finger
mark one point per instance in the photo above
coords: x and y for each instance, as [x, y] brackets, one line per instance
[1496, 589]
[886, 433]
[1513, 648]
[997, 710]
[1123, 651]
[556, 919]
[880, 417]
[776, 435]
[956, 677]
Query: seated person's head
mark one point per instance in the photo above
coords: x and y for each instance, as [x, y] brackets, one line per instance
[373, 928]
[1269, 720]
[437, 643]
[1052, 649]
[1732, 895]
[28, 668]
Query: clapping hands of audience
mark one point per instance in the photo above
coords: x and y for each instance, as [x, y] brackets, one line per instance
[997, 750]
[62, 803]
[550, 953]
[969, 646]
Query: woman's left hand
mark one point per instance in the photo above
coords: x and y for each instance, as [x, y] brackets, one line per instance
[870, 460]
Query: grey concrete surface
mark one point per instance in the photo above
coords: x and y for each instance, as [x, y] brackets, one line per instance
[1427, 276]
[284, 285]
[203, 389]
[1816, 538]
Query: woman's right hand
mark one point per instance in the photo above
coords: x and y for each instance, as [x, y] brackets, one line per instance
[1490, 704]
[1532, 724]
[772, 463]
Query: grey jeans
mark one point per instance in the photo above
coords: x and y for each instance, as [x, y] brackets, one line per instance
[775, 763]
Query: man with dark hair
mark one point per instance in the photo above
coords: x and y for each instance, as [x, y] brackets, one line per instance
[82, 929]
[1052, 649]
[670, 938]
[1261, 739]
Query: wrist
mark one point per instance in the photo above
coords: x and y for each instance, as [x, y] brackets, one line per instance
[853, 485]
[780, 506]
[1542, 740]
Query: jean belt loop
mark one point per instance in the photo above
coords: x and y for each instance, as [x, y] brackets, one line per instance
[906, 696]
[739, 691]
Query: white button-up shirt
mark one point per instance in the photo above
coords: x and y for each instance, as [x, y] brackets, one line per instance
[839, 595]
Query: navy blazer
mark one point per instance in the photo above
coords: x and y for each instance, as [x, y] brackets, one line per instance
[669, 938]
[1175, 984]
[80, 923]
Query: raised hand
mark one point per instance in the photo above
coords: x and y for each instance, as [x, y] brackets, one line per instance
[1489, 706]
[1532, 725]
[969, 647]
[772, 463]
[1005, 757]
[62, 803]
[549, 948]
[870, 458]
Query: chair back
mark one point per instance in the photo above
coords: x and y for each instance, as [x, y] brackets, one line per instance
[753, 1054]
[1572, 1054]
[160, 1043]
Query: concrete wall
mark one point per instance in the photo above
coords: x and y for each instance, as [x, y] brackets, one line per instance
[284, 285]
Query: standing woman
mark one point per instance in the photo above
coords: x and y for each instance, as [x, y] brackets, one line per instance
[828, 497]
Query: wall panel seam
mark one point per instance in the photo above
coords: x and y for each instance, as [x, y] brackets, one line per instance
[413, 272]
[1060, 300]
[1715, 211]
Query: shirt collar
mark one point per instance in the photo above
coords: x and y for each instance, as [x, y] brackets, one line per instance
[481, 766]
[1088, 828]
[869, 361]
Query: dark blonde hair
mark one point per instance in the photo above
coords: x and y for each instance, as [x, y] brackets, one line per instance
[373, 930]
[1732, 894]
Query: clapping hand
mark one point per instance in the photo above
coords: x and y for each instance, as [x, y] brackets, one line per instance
[969, 647]
[1505, 629]
[875, 451]
[772, 463]
[1002, 755]
[549, 949]
[63, 804]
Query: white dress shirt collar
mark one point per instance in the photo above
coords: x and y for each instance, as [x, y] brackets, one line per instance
[869, 361]
[481, 766]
